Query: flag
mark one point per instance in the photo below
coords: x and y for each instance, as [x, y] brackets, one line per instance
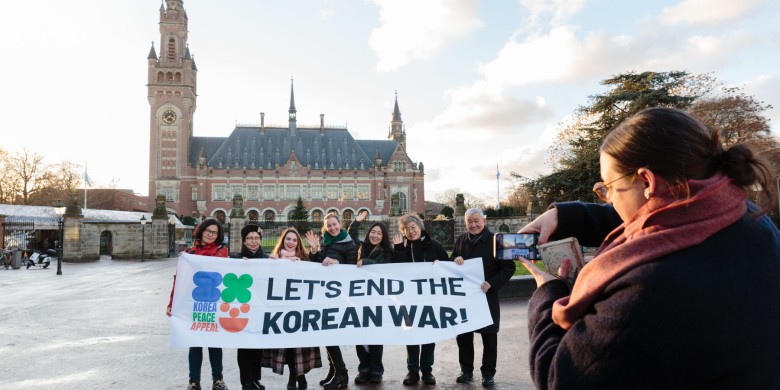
[497, 172]
[87, 180]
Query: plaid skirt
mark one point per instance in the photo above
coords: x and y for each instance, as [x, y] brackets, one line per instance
[305, 359]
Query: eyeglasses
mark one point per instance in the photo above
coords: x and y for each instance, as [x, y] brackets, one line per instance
[603, 190]
[211, 232]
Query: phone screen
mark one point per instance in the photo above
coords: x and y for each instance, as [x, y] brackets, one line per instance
[512, 246]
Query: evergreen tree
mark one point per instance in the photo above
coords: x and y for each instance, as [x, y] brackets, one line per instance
[299, 217]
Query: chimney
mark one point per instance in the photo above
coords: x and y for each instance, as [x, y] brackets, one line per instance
[322, 124]
[262, 123]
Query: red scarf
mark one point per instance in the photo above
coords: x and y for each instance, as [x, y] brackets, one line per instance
[662, 226]
[210, 249]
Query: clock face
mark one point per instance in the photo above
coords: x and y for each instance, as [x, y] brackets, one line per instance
[169, 117]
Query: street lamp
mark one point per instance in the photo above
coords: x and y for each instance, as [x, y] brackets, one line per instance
[171, 236]
[143, 225]
[227, 225]
[59, 209]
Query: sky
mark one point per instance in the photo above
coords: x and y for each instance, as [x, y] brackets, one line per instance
[480, 84]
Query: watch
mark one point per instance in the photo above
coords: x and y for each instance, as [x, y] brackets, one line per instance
[169, 117]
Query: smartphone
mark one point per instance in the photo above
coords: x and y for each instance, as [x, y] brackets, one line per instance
[512, 246]
[554, 253]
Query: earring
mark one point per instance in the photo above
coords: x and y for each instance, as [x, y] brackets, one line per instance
[648, 194]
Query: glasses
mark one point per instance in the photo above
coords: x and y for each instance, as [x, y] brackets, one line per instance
[602, 190]
[211, 232]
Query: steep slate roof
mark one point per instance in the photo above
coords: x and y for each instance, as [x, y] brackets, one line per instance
[248, 147]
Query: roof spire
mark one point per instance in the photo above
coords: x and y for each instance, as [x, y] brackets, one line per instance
[396, 111]
[152, 54]
[292, 112]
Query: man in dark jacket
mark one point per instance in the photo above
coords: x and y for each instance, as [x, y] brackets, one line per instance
[478, 242]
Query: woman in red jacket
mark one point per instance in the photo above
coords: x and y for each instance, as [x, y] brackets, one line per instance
[208, 242]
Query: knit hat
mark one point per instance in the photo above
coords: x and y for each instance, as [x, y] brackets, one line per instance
[249, 229]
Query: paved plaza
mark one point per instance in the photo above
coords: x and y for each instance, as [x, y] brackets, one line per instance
[102, 325]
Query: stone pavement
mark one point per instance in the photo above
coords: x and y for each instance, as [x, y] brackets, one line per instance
[102, 325]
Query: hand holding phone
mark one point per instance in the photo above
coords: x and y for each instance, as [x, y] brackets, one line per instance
[556, 252]
[512, 246]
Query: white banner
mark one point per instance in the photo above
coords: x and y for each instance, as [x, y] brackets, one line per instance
[263, 303]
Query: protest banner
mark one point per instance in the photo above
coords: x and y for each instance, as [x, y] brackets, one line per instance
[264, 303]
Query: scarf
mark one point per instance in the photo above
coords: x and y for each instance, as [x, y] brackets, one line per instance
[662, 226]
[327, 239]
[285, 254]
[210, 249]
[246, 252]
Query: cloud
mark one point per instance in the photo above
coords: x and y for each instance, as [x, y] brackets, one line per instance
[416, 30]
[560, 10]
[707, 12]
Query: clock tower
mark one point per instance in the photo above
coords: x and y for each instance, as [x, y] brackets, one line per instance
[171, 93]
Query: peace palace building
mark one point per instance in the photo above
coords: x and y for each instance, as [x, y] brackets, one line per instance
[268, 166]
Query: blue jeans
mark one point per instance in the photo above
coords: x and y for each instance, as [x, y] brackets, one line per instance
[196, 360]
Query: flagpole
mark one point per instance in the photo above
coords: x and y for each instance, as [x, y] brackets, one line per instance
[498, 193]
[85, 185]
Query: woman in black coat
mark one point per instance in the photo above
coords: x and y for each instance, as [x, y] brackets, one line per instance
[334, 246]
[374, 249]
[478, 242]
[417, 246]
[249, 359]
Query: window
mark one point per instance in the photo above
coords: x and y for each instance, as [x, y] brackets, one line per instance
[269, 192]
[170, 194]
[218, 192]
[402, 204]
[316, 191]
[293, 191]
[171, 49]
[347, 192]
[316, 216]
[252, 192]
[194, 193]
[236, 190]
[362, 192]
[332, 191]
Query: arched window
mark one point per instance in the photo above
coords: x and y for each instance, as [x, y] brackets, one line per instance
[348, 215]
[171, 49]
[269, 216]
[253, 215]
[169, 76]
[316, 216]
[403, 206]
[160, 77]
[178, 77]
[220, 216]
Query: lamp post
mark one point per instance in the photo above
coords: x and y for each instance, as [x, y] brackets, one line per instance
[227, 235]
[59, 209]
[143, 225]
[171, 236]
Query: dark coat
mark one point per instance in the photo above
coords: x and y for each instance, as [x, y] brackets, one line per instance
[367, 253]
[497, 273]
[424, 249]
[344, 251]
[705, 317]
[245, 252]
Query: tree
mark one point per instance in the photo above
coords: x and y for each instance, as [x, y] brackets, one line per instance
[27, 170]
[447, 211]
[576, 165]
[299, 217]
[738, 116]
[447, 197]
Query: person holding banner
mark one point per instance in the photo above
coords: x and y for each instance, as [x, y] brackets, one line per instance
[413, 247]
[478, 242]
[207, 235]
[299, 360]
[249, 359]
[374, 249]
[334, 246]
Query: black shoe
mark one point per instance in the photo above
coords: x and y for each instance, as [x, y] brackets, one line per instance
[411, 378]
[302, 384]
[429, 379]
[376, 378]
[331, 373]
[193, 385]
[362, 377]
[465, 377]
[219, 384]
[339, 381]
[254, 385]
[488, 381]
